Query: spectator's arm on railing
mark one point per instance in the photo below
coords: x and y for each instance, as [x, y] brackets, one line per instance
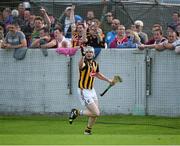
[160, 47]
[22, 44]
[35, 43]
[4, 45]
[143, 46]
[168, 46]
[51, 44]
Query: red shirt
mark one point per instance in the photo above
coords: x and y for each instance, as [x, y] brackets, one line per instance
[117, 42]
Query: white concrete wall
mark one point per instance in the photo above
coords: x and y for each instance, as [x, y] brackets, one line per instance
[38, 84]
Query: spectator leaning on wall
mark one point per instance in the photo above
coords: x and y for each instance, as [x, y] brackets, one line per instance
[139, 27]
[110, 36]
[175, 45]
[15, 39]
[1, 35]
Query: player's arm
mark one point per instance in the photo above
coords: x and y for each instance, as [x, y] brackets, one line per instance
[103, 77]
[81, 63]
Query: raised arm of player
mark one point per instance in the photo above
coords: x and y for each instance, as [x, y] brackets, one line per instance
[81, 63]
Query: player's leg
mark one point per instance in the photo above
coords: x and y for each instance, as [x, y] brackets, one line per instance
[87, 98]
[75, 112]
[91, 111]
[92, 119]
[73, 115]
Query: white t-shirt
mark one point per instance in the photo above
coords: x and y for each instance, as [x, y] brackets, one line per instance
[67, 25]
[176, 43]
[64, 40]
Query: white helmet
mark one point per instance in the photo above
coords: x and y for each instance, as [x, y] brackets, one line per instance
[139, 22]
[89, 48]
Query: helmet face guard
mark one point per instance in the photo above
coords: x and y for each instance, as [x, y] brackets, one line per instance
[89, 52]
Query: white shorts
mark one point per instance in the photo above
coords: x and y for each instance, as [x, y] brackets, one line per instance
[87, 96]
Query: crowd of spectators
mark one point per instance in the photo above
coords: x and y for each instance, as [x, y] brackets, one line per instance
[21, 29]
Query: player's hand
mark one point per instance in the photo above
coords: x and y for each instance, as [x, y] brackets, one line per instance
[111, 82]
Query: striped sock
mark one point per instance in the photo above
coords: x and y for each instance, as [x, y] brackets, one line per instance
[87, 131]
[88, 128]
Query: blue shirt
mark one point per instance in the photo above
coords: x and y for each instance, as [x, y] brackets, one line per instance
[15, 39]
[110, 36]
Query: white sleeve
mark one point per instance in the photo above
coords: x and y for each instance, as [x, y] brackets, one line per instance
[176, 43]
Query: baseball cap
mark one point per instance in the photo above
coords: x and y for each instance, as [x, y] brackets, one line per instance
[139, 22]
[78, 18]
[68, 8]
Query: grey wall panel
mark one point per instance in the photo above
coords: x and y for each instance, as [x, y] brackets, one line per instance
[165, 84]
[38, 84]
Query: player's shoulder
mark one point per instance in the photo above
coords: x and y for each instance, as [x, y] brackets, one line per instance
[96, 63]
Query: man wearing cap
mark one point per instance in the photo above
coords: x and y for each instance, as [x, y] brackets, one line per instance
[88, 69]
[139, 27]
[68, 21]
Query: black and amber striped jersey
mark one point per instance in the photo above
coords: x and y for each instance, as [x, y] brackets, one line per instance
[87, 74]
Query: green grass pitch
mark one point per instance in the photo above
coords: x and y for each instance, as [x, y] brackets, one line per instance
[109, 130]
